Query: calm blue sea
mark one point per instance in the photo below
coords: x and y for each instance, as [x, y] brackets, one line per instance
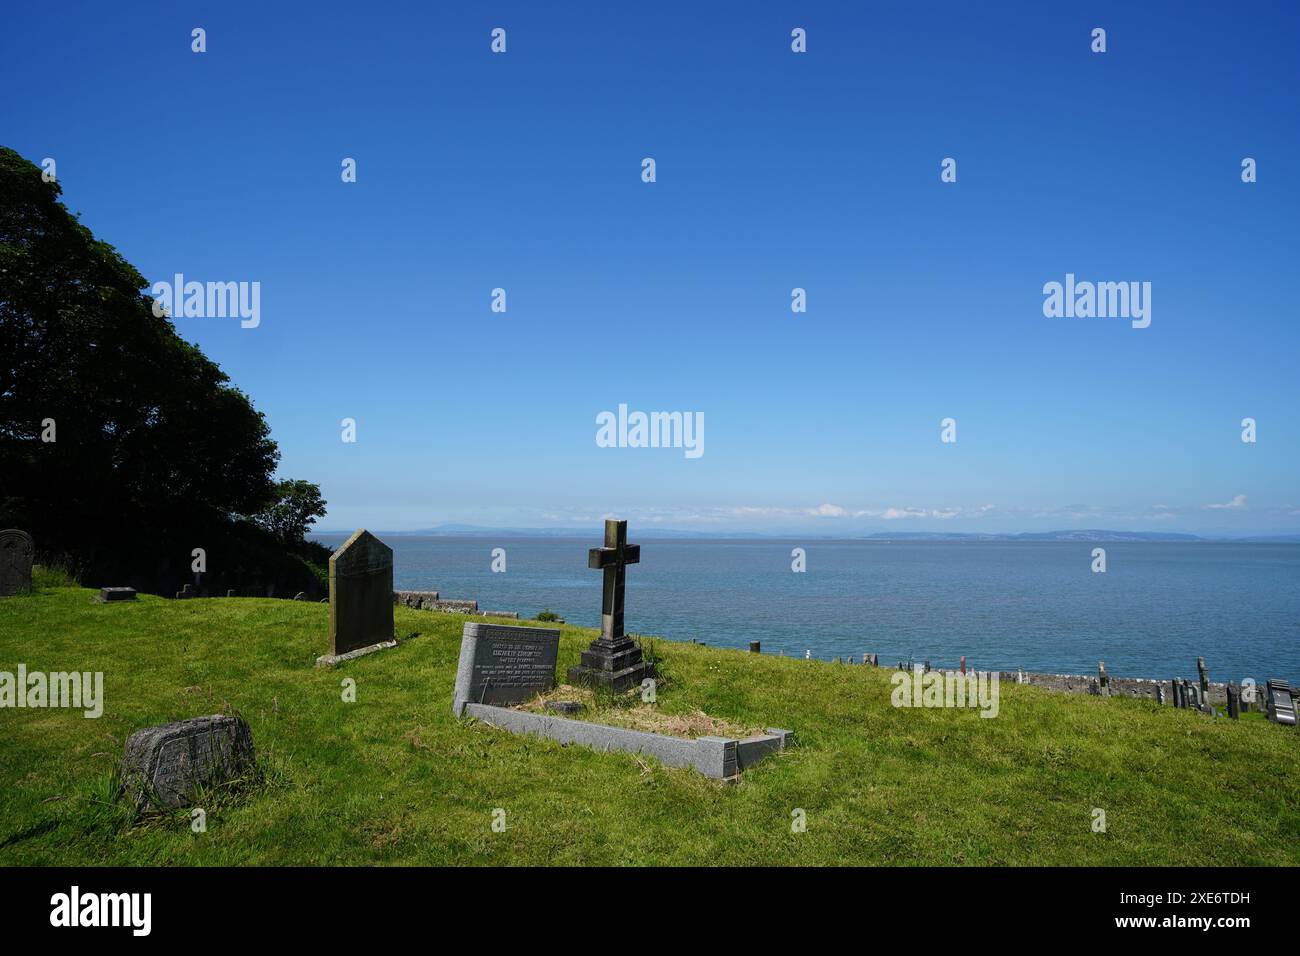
[1005, 605]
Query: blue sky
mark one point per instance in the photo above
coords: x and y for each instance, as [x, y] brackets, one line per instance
[774, 170]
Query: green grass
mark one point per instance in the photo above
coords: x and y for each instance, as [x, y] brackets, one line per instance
[395, 779]
[53, 576]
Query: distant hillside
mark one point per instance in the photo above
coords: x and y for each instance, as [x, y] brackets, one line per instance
[649, 533]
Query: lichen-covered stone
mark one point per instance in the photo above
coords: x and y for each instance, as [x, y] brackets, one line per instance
[165, 766]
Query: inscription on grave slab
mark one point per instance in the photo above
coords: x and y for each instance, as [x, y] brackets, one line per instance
[503, 665]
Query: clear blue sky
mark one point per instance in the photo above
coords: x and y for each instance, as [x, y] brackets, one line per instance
[774, 170]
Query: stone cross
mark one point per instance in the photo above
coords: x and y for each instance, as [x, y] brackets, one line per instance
[613, 659]
[613, 560]
[16, 553]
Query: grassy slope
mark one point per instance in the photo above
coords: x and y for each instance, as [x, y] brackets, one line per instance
[393, 778]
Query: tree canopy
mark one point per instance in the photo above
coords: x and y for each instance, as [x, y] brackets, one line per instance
[120, 443]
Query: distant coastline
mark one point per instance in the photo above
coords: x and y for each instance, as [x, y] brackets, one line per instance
[652, 533]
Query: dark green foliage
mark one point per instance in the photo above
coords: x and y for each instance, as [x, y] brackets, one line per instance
[296, 506]
[156, 453]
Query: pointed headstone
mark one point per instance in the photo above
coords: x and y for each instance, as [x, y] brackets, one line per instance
[361, 594]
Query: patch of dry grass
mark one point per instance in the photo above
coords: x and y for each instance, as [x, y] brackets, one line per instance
[628, 710]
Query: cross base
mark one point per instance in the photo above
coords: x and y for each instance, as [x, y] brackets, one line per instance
[617, 665]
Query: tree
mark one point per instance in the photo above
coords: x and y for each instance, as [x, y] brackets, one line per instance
[297, 506]
[154, 451]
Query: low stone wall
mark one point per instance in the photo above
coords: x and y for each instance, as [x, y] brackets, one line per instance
[1090, 684]
[429, 601]
[1119, 686]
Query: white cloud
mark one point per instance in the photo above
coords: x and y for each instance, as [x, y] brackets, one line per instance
[1238, 502]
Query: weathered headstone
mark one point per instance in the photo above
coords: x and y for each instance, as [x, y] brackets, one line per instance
[1160, 693]
[186, 592]
[112, 595]
[165, 765]
[613, 660]
[16, 553]
[504, 664]
[755, 647]
[564, 706]
[300, 596]
[1280, 706]
[1234, 702]
[1204, 676]
[361, 594]
[1103, 679]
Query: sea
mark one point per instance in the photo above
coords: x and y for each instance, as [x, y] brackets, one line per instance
[1004, 605]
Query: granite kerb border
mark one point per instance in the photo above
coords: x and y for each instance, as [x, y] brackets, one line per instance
[721, 758]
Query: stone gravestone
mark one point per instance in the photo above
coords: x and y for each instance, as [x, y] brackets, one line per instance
[361, 596]
[16, 553]
[165, 765]
[1280, 706]
[613, 660]
[113, 595]
[504, 664]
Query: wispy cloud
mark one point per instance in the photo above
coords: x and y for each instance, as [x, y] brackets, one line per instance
[1238, 502]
